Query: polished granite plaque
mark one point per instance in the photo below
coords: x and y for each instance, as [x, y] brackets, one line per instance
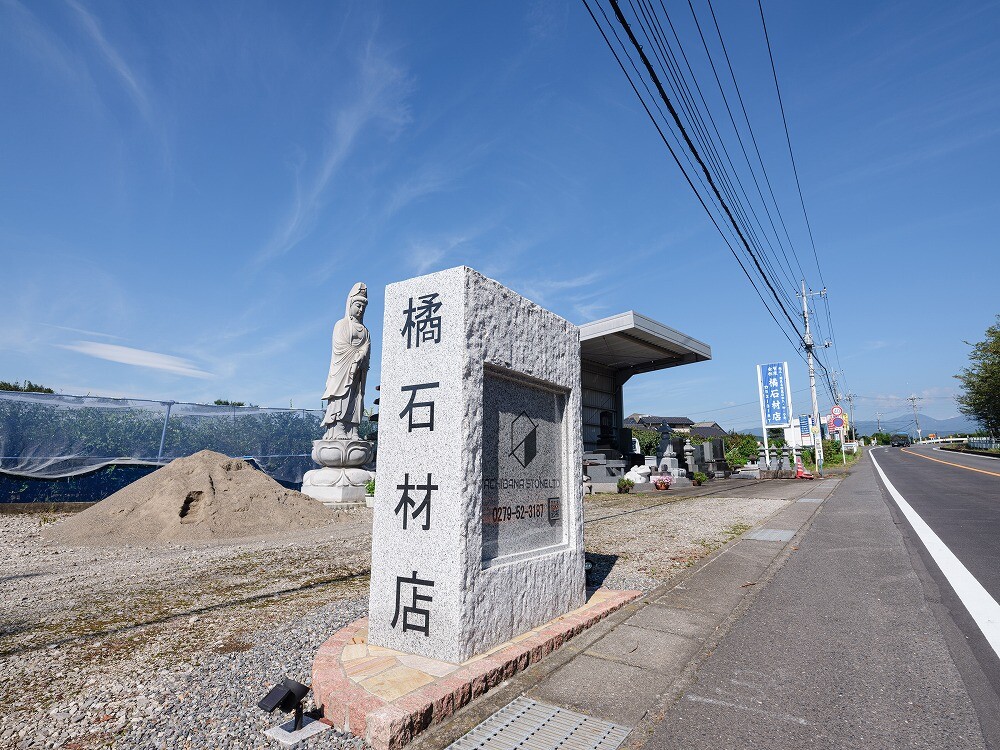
[522, 468]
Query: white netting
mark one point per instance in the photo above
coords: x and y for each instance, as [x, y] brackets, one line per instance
[46, 436]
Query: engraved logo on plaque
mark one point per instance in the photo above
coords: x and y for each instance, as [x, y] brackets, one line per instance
[523, 439]
[523, 427]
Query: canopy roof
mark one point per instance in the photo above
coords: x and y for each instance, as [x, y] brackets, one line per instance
[633, 344]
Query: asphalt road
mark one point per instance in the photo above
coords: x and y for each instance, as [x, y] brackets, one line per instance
[961, 505]
[857, 642]
[958, 497]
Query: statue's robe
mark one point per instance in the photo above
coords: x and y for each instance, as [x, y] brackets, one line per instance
[345, 386]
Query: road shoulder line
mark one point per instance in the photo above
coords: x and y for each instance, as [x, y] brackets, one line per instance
[982, 607]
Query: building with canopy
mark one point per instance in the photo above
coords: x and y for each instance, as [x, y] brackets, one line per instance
[614, 349]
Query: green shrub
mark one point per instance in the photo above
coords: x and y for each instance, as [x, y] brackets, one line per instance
[700, 477]
[649, 441]
[370, 487]
[625, 486]
[741, 449]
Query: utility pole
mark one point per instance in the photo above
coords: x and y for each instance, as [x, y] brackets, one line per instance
[807, 341]
[913, 402]
[836, 400]
[878, 420]
[854, 430]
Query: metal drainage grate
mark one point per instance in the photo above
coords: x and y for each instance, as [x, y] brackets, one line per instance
[525, 724]
[770, 535]
[810, 500]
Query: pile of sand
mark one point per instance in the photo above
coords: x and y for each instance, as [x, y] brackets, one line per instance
[204, 497]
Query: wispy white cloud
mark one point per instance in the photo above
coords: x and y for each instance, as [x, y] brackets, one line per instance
[425, 255]
[116, 62]
[84, 331]
[590, 311]
[381, 99]
[139, 358]
[432, 178]
[543, 292]
[41, 43]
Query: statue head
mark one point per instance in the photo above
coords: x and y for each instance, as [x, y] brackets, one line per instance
[357, 301]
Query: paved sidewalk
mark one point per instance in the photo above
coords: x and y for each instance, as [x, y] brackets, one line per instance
[821, 638]
[638, 666]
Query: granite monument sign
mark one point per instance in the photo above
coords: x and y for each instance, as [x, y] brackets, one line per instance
[478, 528]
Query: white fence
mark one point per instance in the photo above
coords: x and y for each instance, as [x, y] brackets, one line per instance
[984, 444]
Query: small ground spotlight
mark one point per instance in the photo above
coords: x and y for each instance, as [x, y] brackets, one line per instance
[286, 695]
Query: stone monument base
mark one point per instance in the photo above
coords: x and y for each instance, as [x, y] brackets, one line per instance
[341, 482]
[387, 697]
[336, 488]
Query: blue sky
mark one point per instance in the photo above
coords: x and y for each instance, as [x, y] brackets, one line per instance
[190, 189]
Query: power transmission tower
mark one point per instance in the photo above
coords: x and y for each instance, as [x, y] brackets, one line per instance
[807, 340]
[913, 402]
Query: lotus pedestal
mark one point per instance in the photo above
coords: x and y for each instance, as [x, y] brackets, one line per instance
[341, 482]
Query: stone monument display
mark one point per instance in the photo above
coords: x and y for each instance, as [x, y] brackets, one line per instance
[341, 452]
[478, 520]
[669, 463]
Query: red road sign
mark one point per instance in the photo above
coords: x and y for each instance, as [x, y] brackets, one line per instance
[837, 411]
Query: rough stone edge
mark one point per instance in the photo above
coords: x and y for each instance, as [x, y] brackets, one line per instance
[391, 725]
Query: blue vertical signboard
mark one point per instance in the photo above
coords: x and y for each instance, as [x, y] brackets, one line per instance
[775, 399]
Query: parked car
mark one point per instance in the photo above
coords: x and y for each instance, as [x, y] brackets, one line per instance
[899, 441]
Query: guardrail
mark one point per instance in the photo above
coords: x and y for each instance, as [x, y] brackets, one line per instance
[984, 443]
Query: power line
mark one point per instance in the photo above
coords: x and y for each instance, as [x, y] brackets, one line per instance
[788, 140]
[712, 167]
[725, 100]
[753, 139]
[690, 107]
[700, 131]
[677, 161]
[694, 151]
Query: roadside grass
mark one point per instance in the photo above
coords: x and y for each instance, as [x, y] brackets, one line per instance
[729, 533]
[736, 530]
[835, 463]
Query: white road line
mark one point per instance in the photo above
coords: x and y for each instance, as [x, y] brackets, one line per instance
[977, 600]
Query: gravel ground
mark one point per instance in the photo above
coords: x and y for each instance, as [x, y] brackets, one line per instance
[172, 647]
[639, 542]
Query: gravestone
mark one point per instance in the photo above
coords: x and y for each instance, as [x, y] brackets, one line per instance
[478, 519]
[668, 459]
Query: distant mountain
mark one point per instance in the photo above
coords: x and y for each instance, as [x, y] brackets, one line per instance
[901, 424]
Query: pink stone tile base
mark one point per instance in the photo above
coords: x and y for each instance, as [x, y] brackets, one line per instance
[387, 697]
